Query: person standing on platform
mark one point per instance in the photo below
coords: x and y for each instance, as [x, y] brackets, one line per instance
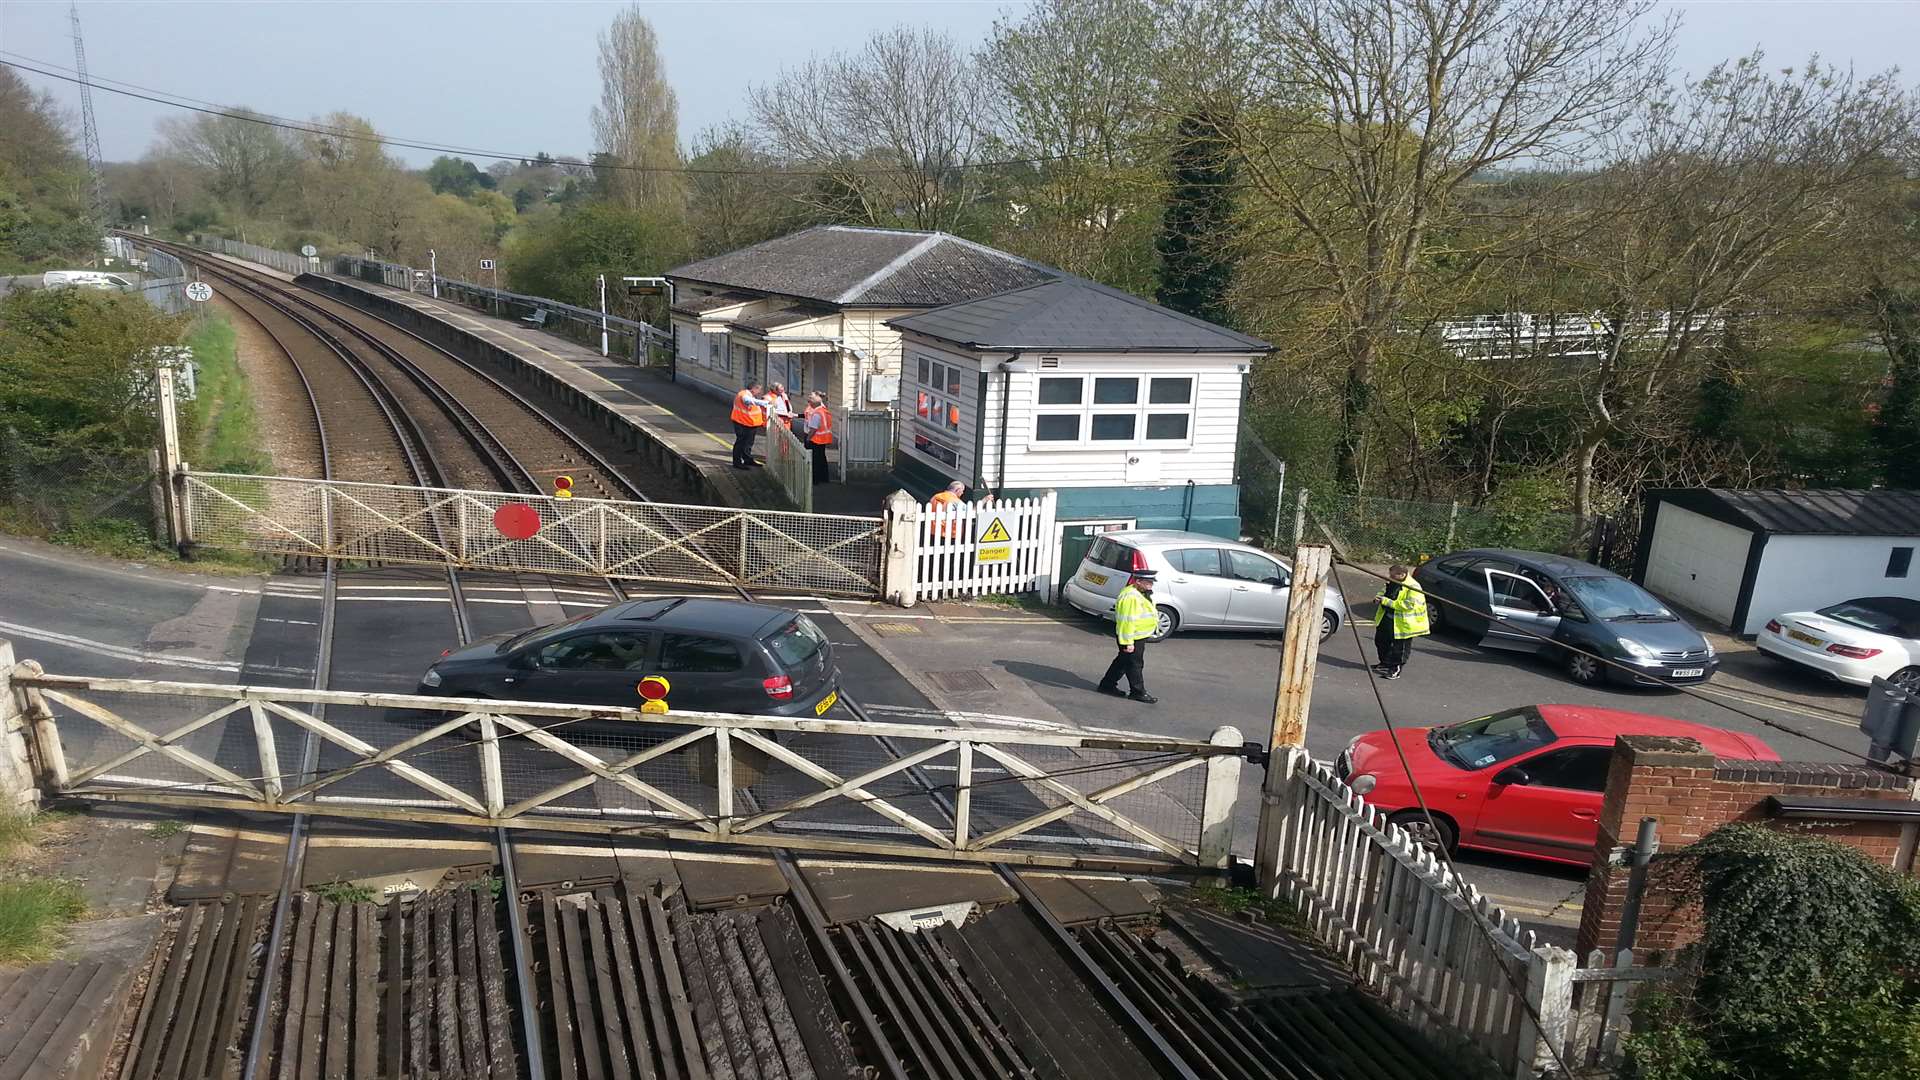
[1393, 637]
[779, 406]
[817, 423]
[1135, 619]
[749, 416]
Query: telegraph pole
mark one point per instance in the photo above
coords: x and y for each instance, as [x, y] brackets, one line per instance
[1292, 697]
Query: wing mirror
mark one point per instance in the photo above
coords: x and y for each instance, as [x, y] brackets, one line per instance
[1513, 775]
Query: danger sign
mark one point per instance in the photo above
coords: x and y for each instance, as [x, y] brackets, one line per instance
[995, 544]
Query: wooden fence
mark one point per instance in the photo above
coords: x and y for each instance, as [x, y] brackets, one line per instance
[997, 546]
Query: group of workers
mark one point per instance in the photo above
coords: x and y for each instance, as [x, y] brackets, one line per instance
[757, 404]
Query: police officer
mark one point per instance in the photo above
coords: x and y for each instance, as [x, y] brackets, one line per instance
[1134, 621]
[1393, 638]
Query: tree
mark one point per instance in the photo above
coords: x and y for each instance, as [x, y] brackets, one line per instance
[73, 378]
[248, 160]
[560, 252]
[1196, 235]
[892, 131]
[736, 194]
[456, 176]
[1373, 115]
[637, 123]
[44, 210]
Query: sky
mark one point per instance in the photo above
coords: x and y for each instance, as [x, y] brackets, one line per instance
[517, 77]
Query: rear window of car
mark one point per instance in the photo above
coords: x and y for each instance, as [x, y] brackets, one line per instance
[1877, 616]
[695, 652]
[1111, 554]
[796, 643]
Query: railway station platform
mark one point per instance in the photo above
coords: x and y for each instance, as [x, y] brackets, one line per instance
[682, 422]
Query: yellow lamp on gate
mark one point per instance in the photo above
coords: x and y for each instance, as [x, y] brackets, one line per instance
[563, 487]
[654, 688]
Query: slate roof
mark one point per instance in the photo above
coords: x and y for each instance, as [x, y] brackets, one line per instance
[788, 316]
[860, 267]
[1074, 315]
[714, 303]
[1831, 512]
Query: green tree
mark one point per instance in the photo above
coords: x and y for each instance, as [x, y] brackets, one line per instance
[560, 253]
[456, 176]
[75, 376]
[44, 216]
[1896, 428]
[636, 126]
[1196, 232]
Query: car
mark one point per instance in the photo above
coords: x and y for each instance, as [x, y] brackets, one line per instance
[1204, 582]
[1568, 610]
[85, 279]
[1855, 642]
[1526, 781]
[719, 655]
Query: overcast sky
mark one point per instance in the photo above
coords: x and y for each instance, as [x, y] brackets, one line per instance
[519, 77]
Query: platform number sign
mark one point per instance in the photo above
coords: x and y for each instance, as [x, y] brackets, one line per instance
[199, 292]
[995, 544]
[486, 264]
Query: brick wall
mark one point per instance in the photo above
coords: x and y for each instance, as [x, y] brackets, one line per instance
[1691, 793]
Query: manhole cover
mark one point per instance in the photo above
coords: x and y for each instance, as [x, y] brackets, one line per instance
[890, 628]
[959, 682]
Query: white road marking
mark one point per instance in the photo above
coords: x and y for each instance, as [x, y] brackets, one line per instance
[118, 652]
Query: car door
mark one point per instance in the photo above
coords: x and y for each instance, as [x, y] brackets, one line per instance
[709, 672]
[1259, 597]
[595, 668]
[1524, 619]
[1200, 584]
[1548, 805]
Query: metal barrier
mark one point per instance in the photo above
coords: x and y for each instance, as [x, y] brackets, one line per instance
[284, 261]
[1042, 798]
[866, 442]
[165, 284]
[697, 545]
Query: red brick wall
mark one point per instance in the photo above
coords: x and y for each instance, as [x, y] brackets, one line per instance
[1691, 793]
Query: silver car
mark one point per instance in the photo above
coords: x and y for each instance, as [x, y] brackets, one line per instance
[1204, 582]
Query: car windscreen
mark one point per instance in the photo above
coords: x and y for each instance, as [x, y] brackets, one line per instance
[541, 633]
[1617, 599]
[796, 643]
[1890, 616]
[1490, 740]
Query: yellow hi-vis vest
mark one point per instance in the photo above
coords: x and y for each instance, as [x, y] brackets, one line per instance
[1409, 610]
[1134, 616]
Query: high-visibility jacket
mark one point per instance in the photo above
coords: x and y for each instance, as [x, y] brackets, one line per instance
[1134, 616]
[783, 412]
[944, 498]
[1409, 610]
[747, 411]
[821, 435]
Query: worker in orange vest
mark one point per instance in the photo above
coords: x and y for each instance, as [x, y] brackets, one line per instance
[946, 498]
[779, 406]
[749, 416]
[818, 424]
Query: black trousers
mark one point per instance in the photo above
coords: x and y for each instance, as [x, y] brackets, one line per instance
[743, 435]
[1131, 664]
[1394, 652]
[819, 463]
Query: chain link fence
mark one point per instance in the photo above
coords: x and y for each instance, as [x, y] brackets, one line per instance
[83, 494]
[1403, 530]
[164, 285]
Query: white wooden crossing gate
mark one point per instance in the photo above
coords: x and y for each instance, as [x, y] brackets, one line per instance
[1005, 546]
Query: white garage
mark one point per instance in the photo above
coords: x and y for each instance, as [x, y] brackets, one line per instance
[1741, 557]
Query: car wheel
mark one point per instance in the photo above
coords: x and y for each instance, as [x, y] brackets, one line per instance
[1584, 669]
[1907, 678]
[1169, 622]
[1329, 622]
[1437, 618]
[1437, 833]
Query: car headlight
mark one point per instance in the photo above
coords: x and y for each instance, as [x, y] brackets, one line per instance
[1634, 648]
[1710, 653]
[431, 678]
[1363, 784]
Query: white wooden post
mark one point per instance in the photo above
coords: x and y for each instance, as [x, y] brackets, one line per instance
[169, 450]
[963, 796]
[268, 752]
[1218, 799]
[18, 789]
[900, 549]
[1549, 997]
[723, 781]
[492, 784]
[44, 750]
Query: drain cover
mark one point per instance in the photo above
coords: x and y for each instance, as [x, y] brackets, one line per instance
[959, 682]
[890, 628]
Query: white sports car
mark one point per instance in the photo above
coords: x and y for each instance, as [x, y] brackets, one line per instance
[1852, 641]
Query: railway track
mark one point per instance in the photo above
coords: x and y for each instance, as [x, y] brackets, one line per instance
[422, 416]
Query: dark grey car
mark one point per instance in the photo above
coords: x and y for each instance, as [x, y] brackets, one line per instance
[1563, 608]
[719, 656]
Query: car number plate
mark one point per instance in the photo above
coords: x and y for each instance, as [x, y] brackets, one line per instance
[1094, 579]
[826, 703]
[1808, 638]
[1688, 672]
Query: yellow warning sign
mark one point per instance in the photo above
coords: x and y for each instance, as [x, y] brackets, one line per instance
[995, 544]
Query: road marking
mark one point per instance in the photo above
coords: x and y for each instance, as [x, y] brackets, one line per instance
[1792, 710]
[118, 652]
[110, 571]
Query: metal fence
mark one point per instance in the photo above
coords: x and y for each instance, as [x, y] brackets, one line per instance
[77, 491]
[626, 338]
[1134, 802]
[866, 442]
[284, 261]
[699, 545]
[165, 283]
[1400, 530]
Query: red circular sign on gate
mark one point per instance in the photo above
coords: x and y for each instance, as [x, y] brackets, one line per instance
[516, 521]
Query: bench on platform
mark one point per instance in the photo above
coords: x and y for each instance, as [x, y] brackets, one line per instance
[538, 318]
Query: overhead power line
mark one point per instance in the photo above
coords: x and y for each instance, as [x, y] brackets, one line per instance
[179, 101]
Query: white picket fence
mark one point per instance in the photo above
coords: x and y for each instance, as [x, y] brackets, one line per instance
[998, 546]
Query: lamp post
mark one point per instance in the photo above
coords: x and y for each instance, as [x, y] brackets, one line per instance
[433, 273]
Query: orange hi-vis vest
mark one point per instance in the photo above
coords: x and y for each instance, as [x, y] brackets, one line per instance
[942, 499]
[822, 435]
[746, 412]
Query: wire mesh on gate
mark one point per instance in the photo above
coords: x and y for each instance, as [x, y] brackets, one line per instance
[695, 545]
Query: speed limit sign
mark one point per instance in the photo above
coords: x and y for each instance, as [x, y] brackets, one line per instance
[199, 292]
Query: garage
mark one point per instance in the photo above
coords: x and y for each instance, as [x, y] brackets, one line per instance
[1740, 556]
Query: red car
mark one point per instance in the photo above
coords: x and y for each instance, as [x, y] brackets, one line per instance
[1527, 781]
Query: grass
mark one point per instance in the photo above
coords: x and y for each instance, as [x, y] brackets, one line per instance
[160, 830]
[34, 908]
[345, 892]
[1232, 900]
[226, 426]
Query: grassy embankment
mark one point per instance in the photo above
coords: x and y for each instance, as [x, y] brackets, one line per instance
[34, 908]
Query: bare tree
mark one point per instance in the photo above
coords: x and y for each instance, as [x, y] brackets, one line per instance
[737, 193]
[1722, 200]
[637, 123]
[247, 160]
[892, 129]
[1372, 115]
